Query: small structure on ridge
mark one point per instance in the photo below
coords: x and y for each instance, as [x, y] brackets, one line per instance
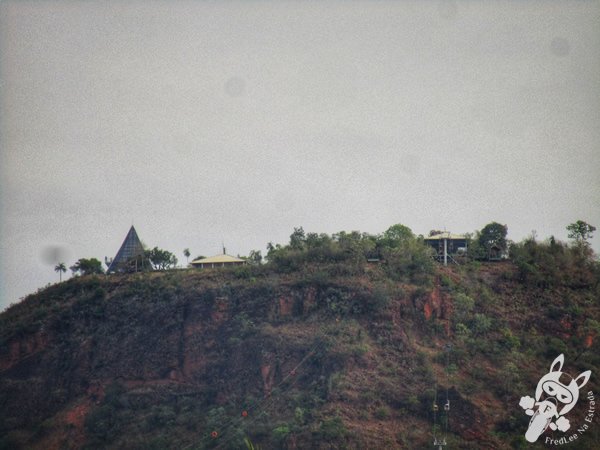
[447, 246]
[130, 256]
[217, 261]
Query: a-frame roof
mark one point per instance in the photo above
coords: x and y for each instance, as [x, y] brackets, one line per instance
[131, 247]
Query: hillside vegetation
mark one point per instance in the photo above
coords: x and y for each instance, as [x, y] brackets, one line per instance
[316, 349]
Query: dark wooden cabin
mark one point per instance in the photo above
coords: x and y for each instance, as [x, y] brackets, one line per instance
[447, 246]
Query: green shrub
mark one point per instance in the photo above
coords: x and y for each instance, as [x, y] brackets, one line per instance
[509, 340]
[462, 331]
[463, 307]
[481, 324]
[299, 416]
[382, 413]
[410, 261]
[281, 433]
[554, 347]
[553, 263]
[332, 429]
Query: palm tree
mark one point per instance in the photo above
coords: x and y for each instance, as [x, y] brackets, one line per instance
[60, 268]
[186, 253]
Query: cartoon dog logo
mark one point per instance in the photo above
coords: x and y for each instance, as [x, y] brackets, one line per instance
[556, 394]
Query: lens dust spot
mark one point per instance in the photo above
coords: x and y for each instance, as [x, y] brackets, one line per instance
[54, 254]
[235, 87]
[560, 47]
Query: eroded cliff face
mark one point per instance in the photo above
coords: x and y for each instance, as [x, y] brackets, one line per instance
[205, 341]
[202, 360]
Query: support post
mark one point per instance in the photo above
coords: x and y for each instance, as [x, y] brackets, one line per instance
[445, 252]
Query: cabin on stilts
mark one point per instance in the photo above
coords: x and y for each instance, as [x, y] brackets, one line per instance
[447, 246]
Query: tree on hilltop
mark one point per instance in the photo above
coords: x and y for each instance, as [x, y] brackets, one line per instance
[60, 268]
[396, 235]
[85, 266]
[297, 239]
[493, 235]
[581, 232]
[161, 259]
[255, 257]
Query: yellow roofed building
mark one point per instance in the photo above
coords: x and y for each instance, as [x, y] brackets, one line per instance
[217, 261]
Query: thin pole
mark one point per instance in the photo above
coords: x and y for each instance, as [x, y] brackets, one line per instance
[445, 251]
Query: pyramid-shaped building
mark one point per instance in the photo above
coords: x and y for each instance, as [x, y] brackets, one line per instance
[130, 252]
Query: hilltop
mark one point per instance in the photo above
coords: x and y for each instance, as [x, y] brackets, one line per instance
[317, 349]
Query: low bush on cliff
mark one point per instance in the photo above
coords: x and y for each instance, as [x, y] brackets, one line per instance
[553, 263]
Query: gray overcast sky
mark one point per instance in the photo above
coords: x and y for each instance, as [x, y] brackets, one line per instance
[203, 122]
